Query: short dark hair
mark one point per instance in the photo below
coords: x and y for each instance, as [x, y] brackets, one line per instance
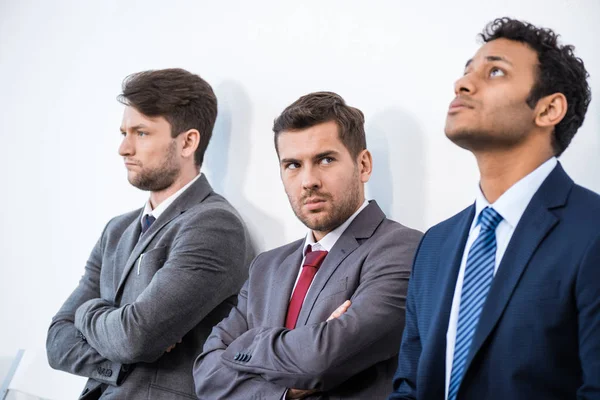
[184, 99]
[320, 107]
[559, 71]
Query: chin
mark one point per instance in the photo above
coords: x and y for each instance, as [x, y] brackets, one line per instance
[454, 128]
[315, 222]
[131, 177]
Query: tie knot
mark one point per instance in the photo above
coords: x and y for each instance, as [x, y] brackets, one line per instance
[147, 221]
[489, 219]
[314, 258]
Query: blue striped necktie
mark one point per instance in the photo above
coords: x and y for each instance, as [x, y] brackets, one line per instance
[479, 273]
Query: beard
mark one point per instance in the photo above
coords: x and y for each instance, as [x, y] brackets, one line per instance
[485, 140]
[503, 130]
[161, 177]
[338, 211]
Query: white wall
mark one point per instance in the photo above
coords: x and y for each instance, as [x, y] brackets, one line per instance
[62, 63]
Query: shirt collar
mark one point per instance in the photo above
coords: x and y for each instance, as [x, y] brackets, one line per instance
[329, 240]
[512, 204]
[156, 213]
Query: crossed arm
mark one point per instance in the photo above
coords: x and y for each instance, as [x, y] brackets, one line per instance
[196, 277]
[214, 380]
[313, 357]
[66, 347]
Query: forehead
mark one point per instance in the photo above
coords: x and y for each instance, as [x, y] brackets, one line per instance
[310, 141]
[133, 117]
[519, 54]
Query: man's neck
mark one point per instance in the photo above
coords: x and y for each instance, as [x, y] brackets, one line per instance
[500, 170]
[183, 179]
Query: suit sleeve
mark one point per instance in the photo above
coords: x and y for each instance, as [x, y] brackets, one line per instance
[202, 269]
[66, 348]
[405, 378]
[323, 355]
[213, 379]
[587, 292]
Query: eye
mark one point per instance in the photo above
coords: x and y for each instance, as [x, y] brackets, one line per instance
[123, 133]
[142, 133]
[496, 72]
[292, 166]
[327, 160]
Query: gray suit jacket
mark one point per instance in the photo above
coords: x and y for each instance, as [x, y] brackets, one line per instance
[138, 297]
[250, 355]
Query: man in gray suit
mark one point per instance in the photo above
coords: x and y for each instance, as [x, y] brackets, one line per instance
[159, 278]
[317, 318]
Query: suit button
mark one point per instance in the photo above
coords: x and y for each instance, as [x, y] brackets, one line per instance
[237, 356]
[249, 357]
[105, 371]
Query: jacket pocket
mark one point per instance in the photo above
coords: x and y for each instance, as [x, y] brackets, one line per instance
[333, 288]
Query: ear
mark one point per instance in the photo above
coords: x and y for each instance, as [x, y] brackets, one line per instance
[365, 165]
[190, 140]
[550, 110]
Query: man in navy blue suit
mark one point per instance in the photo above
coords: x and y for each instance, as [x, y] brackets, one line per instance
[504, 298]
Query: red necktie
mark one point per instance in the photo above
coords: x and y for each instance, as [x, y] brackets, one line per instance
[312, 261]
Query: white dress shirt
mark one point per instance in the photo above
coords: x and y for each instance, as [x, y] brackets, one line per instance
[165, 203]
[511, 206]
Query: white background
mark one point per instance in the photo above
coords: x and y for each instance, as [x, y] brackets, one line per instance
[61, 67]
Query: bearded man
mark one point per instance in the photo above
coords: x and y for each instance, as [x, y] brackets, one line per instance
[161, 276]
[318, 318]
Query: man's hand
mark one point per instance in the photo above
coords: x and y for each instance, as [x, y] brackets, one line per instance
[299, 393]
[340, 310]
[172, 346]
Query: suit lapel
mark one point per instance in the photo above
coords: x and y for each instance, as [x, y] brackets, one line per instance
[345, 245]
[126, 244]
[362, 227]
[534, 226]
[450, 257]
[193, 195]
[282, 285]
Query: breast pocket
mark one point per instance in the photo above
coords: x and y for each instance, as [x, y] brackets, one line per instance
[334, 288]
[329, 299]
[538, 292]
[151, 261]
[146, 266]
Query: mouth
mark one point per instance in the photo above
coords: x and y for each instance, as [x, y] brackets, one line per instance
[314, 203]
[457, 105]
[129, 164]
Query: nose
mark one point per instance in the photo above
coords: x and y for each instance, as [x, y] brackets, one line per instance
[311, 179]
[126, 148]
[465, 85]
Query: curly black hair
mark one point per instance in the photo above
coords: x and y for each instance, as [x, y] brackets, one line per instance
[559, 71]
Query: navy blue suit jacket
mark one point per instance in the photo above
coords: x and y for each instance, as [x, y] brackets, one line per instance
[539, 332]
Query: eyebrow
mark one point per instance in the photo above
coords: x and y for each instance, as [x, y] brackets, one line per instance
[325, 154]
[316, 157]
[491, 59]
[135, 127]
